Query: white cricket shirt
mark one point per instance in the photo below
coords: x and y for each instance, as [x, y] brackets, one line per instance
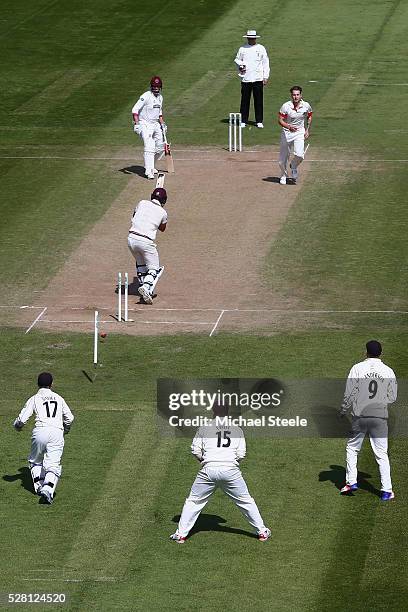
[49, 408]
[371, 386]
[219, 445]
[256, 61]
[149, 107]
[296, 117]
[147, 217]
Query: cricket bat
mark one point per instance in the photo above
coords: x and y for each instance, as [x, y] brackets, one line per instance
[168, 155]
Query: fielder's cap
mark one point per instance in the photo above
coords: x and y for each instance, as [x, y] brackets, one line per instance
[251, 34]
[45, 379]
[374, 348]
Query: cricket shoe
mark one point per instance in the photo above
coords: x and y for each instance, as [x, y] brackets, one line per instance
[149, 175]
[145, 295]
[177, 538]
[243, 124]
[295, 173]
[349, 488]
[46, 496]
[264, 535]
[282, 180]
[259, 125]
[387, 495]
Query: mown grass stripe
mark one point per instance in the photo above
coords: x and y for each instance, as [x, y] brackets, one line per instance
[109, 534]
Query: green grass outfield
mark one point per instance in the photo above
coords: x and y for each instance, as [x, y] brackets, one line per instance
[105, 543]
[70, 73]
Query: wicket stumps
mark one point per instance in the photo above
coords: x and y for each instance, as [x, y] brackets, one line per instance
[125, 295]
[235, 132]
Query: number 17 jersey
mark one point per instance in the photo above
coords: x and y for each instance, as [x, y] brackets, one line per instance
[49, 409]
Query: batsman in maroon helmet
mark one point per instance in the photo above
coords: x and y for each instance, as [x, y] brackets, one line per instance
[148, 217]
[148, 123]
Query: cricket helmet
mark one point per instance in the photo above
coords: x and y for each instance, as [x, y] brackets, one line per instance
[156, 84]
[159, 194]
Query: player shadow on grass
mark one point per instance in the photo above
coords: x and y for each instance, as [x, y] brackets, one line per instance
[139, 170]
[24, 476]
[276, 179]
[212, 522]
[337, 475]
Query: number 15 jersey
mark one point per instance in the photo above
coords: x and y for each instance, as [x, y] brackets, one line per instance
[371, 386]
[49, 408]
[219, 444]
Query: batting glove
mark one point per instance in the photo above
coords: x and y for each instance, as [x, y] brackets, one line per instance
[67, 428]
[163, 127]
[137, 128]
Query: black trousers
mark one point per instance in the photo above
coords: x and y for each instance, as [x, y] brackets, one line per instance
[257, 89]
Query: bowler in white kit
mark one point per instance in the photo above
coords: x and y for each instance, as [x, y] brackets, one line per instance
[53, 419]
[295, 119]
[219, 449]
[371, 387]
[148, 123]
[148, 217]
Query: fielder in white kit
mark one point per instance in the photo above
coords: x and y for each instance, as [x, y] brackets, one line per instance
[295, 118]
[147, 218]
[148, 123]
[53, 418]
[219, 448]
[371, 386]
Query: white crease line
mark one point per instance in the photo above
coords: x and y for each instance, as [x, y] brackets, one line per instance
[112, 321]
[36, 320]
[353, 82]
[101, 579]
[210, 159]
[22, 307]
[321, 311]
[216, 323]
[176, 309]
[153, 309]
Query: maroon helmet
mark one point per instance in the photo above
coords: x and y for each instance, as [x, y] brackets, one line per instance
[156, 84]
[159, 194]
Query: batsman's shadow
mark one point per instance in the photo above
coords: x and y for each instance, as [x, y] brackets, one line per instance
[337, 475]
[24, 476]
[132, 288]
[212, 522]
[276, 180]
[139, 170]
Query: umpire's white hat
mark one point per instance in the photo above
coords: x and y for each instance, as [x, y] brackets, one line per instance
[251, 34]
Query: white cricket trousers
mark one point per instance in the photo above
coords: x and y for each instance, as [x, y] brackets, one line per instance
[144, 251]
[377, 430]
[230, 480]
[152, 137]
[297, 145]
[47, 445]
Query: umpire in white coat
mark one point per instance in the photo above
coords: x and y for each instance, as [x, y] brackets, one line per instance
[371, 386]
[253, 65]
[53, 418]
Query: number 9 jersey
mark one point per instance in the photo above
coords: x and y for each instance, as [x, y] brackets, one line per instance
[371, 386]
[49, 408]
